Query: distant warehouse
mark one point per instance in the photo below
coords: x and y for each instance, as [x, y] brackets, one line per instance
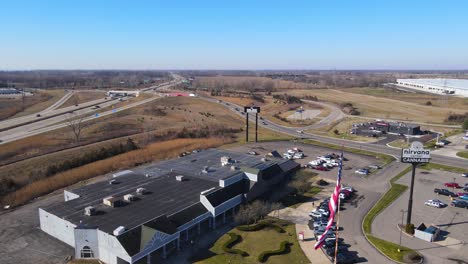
[141, 216]
[457, 87]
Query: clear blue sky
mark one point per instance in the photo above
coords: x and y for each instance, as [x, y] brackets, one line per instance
[171, 34]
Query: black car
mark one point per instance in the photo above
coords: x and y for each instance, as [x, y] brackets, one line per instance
[444, 192]
[344, 258]
[459, 203]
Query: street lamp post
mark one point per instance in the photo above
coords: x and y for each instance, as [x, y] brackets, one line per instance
[401, 227]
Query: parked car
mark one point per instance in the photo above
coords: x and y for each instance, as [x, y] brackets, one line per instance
[320, 168]
[452, 185]
[464, 197]
[252, 152]
[349, 188]
[459, 203]
[375, 167]
[315, 214]
[465, 174]
[435, 203]
[362, 171]
[298, 155]
[461, 194]
[445, 192]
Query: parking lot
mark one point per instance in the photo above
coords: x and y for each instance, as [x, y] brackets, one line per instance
[369, 189]
[453, 221]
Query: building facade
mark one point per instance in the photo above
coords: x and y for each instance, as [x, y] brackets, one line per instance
[457, 87]
[143, 216]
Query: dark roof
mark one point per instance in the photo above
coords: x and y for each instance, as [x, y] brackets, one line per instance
[162, 224]
[166, 196]
[187, 214]
[220, 195]
[131, 241]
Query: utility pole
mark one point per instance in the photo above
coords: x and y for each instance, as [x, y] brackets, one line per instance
[247, 127]
[401, 228]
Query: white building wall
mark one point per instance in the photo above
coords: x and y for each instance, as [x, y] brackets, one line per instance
[57, 227]
[68, 196]
[110, 248]
[86, 237]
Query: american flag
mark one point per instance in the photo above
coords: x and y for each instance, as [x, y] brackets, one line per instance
[332, 205]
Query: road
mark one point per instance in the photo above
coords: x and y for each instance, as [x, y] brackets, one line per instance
[28, 126]
[60, 102]
[295, 132]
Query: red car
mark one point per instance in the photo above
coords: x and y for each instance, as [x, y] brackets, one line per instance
[320, 168]
[460, 194]
[452, 185]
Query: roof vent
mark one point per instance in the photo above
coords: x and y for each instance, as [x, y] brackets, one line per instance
[113, 182]
[129, 197]
[263, 159]
[225, 160]
[147, 175]
[206, 169]
[233, 168]
[90, 211]
[140, 191]
[111, 201]
[119, 230]
[179, 178]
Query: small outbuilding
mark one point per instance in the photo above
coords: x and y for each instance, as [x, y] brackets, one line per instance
[428, 234]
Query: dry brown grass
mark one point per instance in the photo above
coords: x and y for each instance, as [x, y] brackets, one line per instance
[83, 97]
[151, 153]
[383, 107]
[10, 107]
[180, 112]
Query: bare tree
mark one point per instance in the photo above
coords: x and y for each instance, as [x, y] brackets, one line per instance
[275, 207]
[77, 125]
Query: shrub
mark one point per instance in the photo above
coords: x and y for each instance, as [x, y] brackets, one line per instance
[428, 103]
[250, 228]
[409, 228]
[233, 240]
[285, 248]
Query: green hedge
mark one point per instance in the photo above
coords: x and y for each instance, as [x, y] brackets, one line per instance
[260, 226]
[234, 239]
[285, 248]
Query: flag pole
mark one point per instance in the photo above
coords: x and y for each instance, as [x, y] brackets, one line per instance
[337, 227]
[338, 216]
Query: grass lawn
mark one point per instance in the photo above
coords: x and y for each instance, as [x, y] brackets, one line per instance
[255, 243]
[390, 249]
[463, 154]
[435, 166]
[399, 143]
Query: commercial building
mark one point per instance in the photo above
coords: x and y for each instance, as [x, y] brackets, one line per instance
[380, 127]
[141, 215]
[120, 93]
[457, 87]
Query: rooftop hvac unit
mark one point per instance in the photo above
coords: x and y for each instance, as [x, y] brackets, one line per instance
[225, 160]
[111, 201]
[140, 191]
[179, 178]
[119, 230]
[129, 197]
[90, 211]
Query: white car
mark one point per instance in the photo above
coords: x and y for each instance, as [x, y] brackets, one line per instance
[287, 156]
[348, 188]
[291, 151]
[435, 203]
[333, 163]
[315, 214]
[361, 171]
[299, 155]
[300, 131]
[321, 212]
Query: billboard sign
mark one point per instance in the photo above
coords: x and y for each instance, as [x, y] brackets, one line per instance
[252, 109]
[415, 154]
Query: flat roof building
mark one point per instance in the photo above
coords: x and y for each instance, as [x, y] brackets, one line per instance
[143, 214]
[438, 86]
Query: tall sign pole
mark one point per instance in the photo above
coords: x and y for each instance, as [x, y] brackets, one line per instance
[247, 127]
[415, 155]
[251, 110]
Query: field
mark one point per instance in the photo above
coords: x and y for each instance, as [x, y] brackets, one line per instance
[387, 108]
[256, 242]
[150, 153]
[247, 82]
[83, 97]
[277, 111]
[32, 104]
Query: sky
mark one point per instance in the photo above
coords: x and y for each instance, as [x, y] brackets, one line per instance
[255, 34]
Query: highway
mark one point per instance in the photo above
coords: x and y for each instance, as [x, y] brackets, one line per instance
[60, 102]
[293, 131]
[30, 125]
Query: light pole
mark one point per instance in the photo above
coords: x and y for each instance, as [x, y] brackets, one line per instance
[453, 188]
[401, 227]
